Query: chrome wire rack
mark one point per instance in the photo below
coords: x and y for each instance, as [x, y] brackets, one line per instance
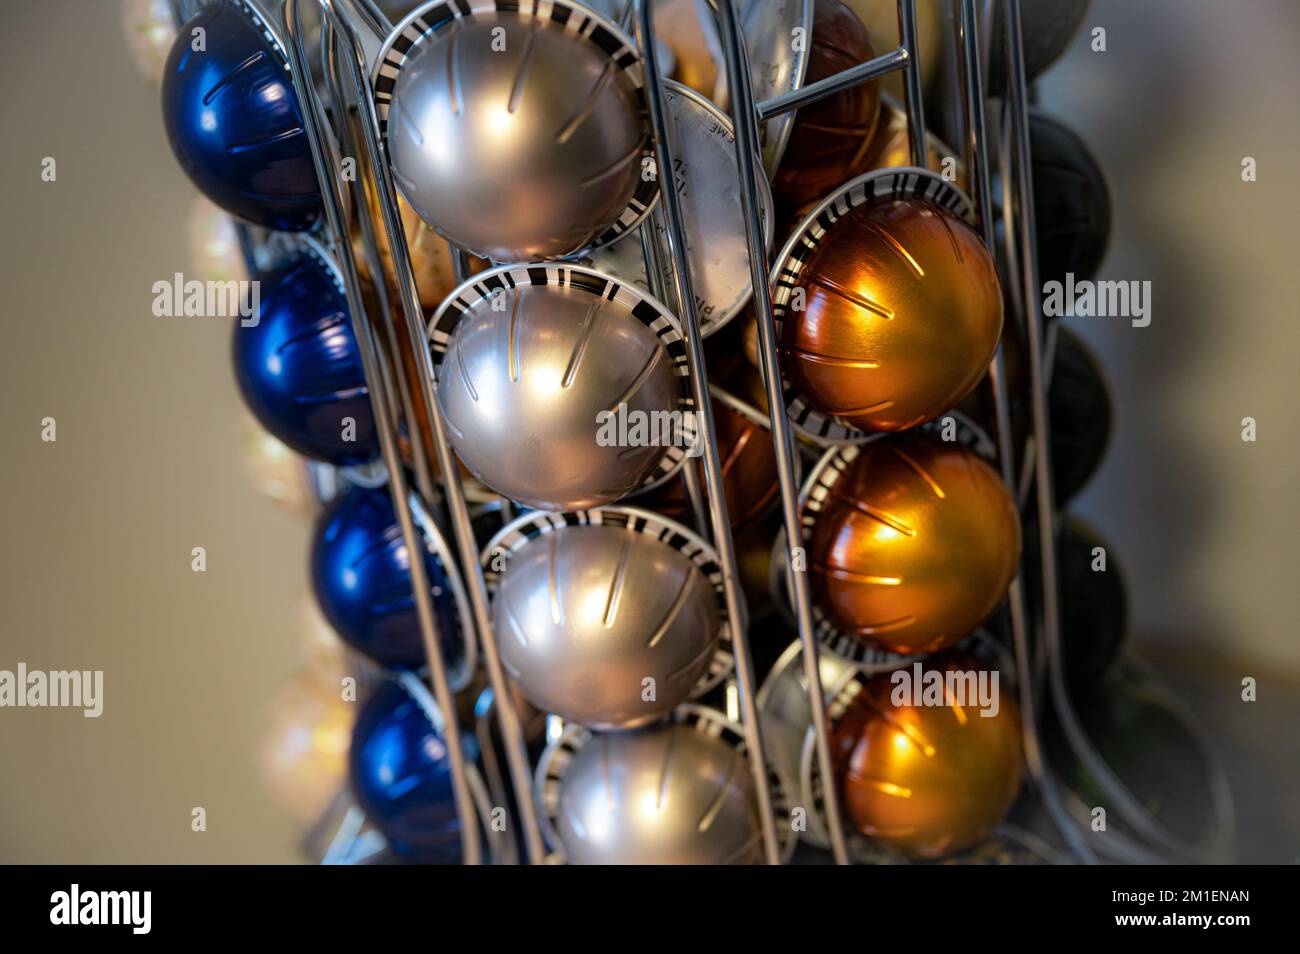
[401, 374]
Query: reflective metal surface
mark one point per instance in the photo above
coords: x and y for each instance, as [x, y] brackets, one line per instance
[914, 544]
[830, 139]
[431, 257]
[744, 115]
[683, 299]
[880, 17]
[776, 66]
[815, 494]
[927, 780]
[1072, 200]
[708, 183]
[605, 626]
[517, 134]
[534, 359]
[666, 794]
[784, 711]
[685, 54]
[1046, 26]
[902, 309]
[748, 471]
[980, 159]
[328, 163]
[890, 146]
[777, 62]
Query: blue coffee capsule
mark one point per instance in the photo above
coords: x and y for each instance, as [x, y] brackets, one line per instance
[401, 778]
[234, 121]
[361, 572]
[299, 367]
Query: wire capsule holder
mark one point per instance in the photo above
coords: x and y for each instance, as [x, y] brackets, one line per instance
[345, 108]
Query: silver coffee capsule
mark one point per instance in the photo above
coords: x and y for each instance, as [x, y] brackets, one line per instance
[608, 618]
[783, 710]
[516, 130]
[664, 795]
[540, 367]
[676, 792]
[709, 184]
[777, 63]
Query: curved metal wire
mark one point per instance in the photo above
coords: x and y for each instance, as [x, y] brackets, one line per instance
[357, 117]
[977, 158]
[1125, 803]
[512, 733]
[745, 119]
[378, 379]
[683, 293]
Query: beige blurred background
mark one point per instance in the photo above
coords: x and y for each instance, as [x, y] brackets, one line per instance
[98, 527]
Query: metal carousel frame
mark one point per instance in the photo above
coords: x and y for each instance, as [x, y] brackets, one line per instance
[346, 123]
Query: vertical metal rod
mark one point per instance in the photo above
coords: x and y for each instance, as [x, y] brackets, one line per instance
[977, 161]
[373, 17]
[912, 82]
[675, 237]
[745, 117]
[655, 269]
[337, 221]
[492, 777]
[374, 261]
[461, 265]
[458, 511]
[1010, 227]
[699, 507]
[1125, 803]
[652, 254]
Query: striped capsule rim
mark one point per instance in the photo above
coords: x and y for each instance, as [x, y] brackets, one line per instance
[310, 247]
[553, 765]
[813, 495]
[900, 182]
[477, 293]
[527, 527]
[692, 111]
[584, 24]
